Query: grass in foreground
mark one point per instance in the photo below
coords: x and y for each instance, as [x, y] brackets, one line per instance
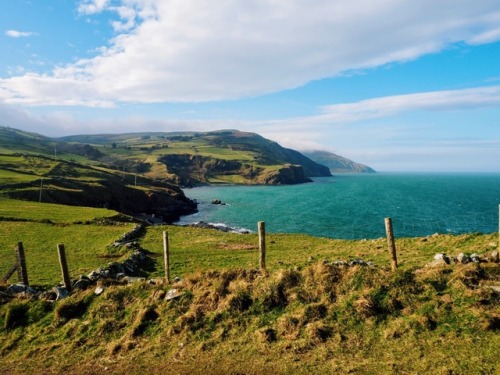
[321, 319]
[87, 248]
[195, 249]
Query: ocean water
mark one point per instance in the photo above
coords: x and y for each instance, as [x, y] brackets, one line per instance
[353, 206]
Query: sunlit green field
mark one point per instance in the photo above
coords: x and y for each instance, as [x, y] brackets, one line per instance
[86, 248]
[41, 226]
[191, 249]
[55, 213]
[195, 249]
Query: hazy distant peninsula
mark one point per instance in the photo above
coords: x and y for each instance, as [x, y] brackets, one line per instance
[337, 163]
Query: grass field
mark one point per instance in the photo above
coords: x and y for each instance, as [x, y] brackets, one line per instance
[55, 213]
[195, 249]
[41, 226]
[86, 248]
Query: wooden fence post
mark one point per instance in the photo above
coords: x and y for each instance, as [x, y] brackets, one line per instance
[498, 228]
[390, 243]
[262, 245]
[11, 271]
[64, 266]
[21, 264]
[166, 256]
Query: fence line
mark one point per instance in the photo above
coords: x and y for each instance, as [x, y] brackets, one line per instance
[20, 264]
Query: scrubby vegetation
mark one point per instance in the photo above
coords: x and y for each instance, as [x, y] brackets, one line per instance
[308, 314]
[320, 318]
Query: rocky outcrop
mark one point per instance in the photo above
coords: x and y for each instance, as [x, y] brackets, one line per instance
[287, 175]
[162, 199]
[192, 170]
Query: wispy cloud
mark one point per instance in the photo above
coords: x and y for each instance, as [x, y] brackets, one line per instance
[192, 51]
[437, 100]
[340, 116]
[19, 34]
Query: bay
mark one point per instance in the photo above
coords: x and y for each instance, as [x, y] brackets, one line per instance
[353, 206]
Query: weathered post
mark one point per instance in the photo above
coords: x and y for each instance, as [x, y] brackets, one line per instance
[166, 256]
[64, 266]
[11, 271]
[390, 243]
[498, 228]
[21, 264]
[262, 245]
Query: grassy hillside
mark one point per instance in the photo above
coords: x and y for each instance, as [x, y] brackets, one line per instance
[193, 158]
[86, 232]
[41, 178]
[316, 318]
[307, 315]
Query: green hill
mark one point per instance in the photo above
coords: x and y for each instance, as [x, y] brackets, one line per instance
[138, 173]
[302, 317]
[337, 163]
[189, 159]
[39, 178]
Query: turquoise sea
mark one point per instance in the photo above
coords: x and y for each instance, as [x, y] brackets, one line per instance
[353, 206]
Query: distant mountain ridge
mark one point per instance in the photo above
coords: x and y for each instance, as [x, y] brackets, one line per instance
[337, 163]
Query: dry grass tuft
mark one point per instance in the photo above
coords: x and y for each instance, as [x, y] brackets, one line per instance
[314, 312]
[365, 307]
[318, 332]
[144, 319]
[274, 292]
[320, 280]
[73, 307]
[266, 335]
[468, 275]
[289, 326]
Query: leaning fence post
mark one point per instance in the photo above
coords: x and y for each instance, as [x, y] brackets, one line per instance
[390, 243]
[262, 245]
[166, 256]
[64, 266]
[21, 264]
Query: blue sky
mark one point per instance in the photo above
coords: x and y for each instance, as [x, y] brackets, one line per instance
[399, 85]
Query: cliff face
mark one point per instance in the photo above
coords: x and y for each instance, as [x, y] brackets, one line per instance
[75, 184]
[167, 202]
[251, 159]
[192, 170]
[267, 152]
[287, 175]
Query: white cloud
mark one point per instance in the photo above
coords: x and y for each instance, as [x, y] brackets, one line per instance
[92, 6]
[189, 51]
[391, 105]
[19, 34]
[342, 116]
